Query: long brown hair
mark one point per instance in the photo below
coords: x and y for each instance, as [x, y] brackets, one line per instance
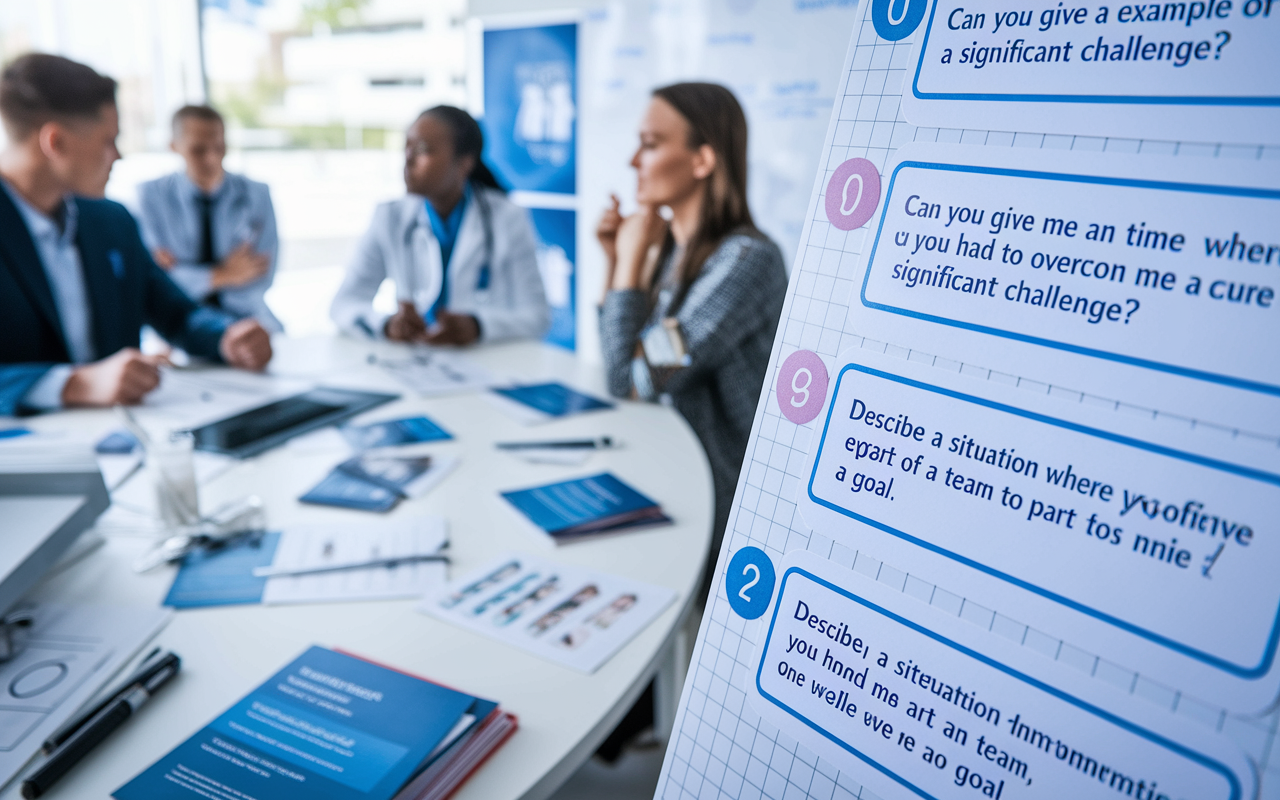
[715, 118]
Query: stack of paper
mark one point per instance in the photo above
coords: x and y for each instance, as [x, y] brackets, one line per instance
[586, 507]
[433, 372]
[317, 564]
[336, 726]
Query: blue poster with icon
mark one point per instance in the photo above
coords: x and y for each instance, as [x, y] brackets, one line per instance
[530, 106]
[530, 121]
[556, 229]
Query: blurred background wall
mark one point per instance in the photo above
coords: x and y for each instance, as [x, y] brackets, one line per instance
[317, 94]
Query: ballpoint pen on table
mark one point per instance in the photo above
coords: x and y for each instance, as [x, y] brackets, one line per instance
[601, 443]
[153, 663]
[390, 561]
[95, 730]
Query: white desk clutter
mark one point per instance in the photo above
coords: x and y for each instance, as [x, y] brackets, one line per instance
[431, 371]
[50, 491]
[259, 574]
[67, 654]
[325, 563]
[316, 563]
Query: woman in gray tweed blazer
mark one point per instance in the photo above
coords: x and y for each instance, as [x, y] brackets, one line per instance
[692, 304]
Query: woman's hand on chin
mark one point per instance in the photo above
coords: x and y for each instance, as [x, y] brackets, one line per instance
[607, 230]
[636, 242]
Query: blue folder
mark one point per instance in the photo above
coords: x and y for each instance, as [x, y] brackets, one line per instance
[328, 726]
[223, 577]
[553, 399]
[410, 430]
[586, 506]
[344, 490]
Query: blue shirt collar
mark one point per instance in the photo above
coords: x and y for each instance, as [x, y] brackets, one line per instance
[446, 228]
[190, 186]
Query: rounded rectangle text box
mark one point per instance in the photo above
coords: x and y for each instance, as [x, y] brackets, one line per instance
[945, 721]
[1201, 70]
[1149, 540]
[1139, 272]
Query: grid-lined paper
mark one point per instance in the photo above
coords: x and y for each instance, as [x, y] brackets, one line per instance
[720, 748]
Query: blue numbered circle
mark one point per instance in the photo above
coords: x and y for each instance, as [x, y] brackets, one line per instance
[897, 19]
[749, 582]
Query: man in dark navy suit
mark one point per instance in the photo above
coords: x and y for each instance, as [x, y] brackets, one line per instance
[76, 282]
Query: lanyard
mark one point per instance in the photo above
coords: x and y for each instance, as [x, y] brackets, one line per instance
[485, 275]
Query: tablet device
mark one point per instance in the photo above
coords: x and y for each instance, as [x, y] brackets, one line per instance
[258, 429]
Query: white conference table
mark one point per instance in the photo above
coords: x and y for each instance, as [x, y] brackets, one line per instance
[227, 651]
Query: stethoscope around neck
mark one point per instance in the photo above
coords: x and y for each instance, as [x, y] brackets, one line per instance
[486, 220]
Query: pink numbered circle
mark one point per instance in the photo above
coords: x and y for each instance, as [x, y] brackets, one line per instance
[802, 386]
[853, 194]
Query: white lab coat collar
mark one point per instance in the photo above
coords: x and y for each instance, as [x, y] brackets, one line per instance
[414, 229]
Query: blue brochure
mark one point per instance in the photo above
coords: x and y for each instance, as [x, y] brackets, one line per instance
[586, 506]
[117, 443]
[342, 489]
[223, 577]
[410, 430]
[553, 399]
[328, 726]
[396, 473]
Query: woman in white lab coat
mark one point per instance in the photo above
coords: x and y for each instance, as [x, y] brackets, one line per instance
[462, 256]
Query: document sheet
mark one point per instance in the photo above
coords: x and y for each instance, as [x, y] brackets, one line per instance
[305, 547]
[69, 655]
[430, 372]
[575, 617]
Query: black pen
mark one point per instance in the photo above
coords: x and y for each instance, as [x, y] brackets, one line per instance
[95, 731]
[149, 666]
[602, 443]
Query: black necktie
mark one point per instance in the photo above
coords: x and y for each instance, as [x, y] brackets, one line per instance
[206, 229]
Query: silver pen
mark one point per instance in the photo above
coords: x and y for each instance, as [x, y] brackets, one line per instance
[277, 572]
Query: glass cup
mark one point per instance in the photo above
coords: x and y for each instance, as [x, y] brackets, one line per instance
[174, 475]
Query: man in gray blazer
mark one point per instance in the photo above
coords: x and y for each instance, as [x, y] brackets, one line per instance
[214, 232]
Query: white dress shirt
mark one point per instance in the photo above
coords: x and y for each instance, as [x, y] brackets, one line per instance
[170, 216]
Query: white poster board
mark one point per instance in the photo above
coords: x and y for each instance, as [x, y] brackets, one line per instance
[1014, 479]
